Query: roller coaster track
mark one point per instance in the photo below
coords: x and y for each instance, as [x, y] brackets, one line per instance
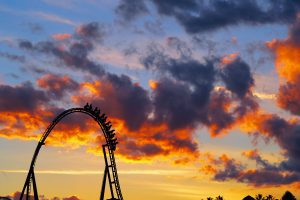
[108, 148]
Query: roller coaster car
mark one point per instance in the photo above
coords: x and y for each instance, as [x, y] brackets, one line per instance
[108, 127]
[114, 142]
[108, 123]
[97, 112]
[102, 117]
[111, 134]
[114, 146]
[90, 107]
[86, 107]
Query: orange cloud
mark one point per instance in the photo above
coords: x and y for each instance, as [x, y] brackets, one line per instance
[287, 62]
[229, 58]
[287, 59]
[153, 84]
[251, 153]
[61, 36]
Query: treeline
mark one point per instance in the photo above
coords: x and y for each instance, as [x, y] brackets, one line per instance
[286, 196]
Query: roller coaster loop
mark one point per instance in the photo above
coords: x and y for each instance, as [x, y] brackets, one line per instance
[108, 148]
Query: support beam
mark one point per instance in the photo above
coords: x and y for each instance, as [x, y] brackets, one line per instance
[103, 183]
[35, 192]
[108, 174]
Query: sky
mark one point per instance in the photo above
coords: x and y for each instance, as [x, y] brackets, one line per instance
[203, 96]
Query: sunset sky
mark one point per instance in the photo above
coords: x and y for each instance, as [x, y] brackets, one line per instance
[204, 96]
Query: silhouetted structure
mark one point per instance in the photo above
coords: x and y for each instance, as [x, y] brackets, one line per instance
[110, 170]
[248, 198]
[288, 196]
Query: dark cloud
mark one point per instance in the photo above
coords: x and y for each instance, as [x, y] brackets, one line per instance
[237, 77]
[131, 9]
[198, 76]
[218, 117]
[266, 177]
[232, 170]
[205, 43]
[12, 57]
[75, 57]
[138, 151]
[21, 98]
[289, 97]
[202, 16]
[220, 13]
[133, 101]
[91, 31]
[180, 99]
[266, 165]
[287, 135]
[75, 54]
[123, 99]
[185, 94]
[181, 47]
[174, 105]
[294, 33]
[170, 7]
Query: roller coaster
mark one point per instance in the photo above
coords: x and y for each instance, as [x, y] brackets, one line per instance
[110, 170]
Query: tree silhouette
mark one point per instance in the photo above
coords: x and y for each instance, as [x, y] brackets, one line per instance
[269, 197]
[209, 198]
[259, 197]
[248, 198]
[288, 196]
[219, 198]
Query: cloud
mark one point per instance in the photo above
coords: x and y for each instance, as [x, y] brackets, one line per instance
[266, 177]
[120, 98]
[57, 85]
[185, 94]
[20, 98]
[237, 77]
[254, 155]
[203, 16]
[231, 169]
[61, 36]
[54, 18]
[91, 30]
[12, 57]
[287, 58]
[130, 9]
[284, 132]
[74, 55]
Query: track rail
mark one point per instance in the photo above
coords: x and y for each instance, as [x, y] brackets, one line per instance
[110, 145]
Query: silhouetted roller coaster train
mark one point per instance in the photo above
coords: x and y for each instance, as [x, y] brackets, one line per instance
[110, 170]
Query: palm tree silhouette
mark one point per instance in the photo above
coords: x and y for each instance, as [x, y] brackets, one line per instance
[219, 198]
[259, 197]
[269, 197]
